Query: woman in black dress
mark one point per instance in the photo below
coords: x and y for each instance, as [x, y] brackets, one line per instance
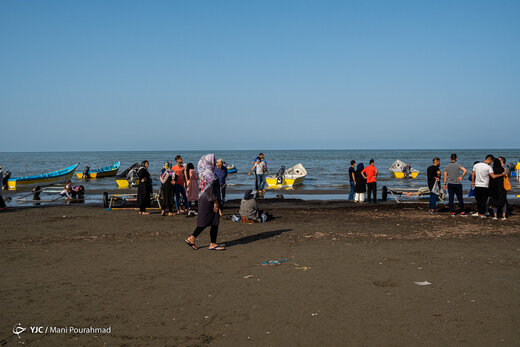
[144, 189]
[167, 179]
[210, 203]
[361, 184]
[497, 192]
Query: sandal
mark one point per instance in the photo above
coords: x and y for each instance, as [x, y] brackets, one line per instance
[217, 248]
[192, 245]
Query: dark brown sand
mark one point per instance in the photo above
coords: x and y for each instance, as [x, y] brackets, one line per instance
[349, 278]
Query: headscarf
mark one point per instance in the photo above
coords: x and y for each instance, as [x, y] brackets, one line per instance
[360, 167]
[205, 167]
[249, 195]
[497, 166]
[189, 167]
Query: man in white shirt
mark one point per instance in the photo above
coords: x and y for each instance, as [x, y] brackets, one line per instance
[480, 182]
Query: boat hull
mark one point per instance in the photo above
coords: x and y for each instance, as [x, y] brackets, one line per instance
[106, 171]
[287, 182]
[401, 175]
[124, 183]
[57, 176]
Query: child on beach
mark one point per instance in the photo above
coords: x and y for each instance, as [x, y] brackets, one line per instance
[180, 189]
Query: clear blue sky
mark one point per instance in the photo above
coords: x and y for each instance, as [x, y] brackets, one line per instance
[146, 75]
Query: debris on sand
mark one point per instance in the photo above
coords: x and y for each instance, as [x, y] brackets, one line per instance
[424, 283]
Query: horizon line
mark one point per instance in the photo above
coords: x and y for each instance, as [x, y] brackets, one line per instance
[282, 149]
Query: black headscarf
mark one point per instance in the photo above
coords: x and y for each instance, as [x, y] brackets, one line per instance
[497, 166]
[248, 195]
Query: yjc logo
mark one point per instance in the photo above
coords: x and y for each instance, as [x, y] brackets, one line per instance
[18, 329]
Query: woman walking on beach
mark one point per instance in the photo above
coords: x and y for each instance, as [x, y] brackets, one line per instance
[361, 184]
[144, 189]
[192, 186]
[497, 192]
[209, 203]
[167, 179]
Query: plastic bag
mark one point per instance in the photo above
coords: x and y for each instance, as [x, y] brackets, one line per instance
[471, 192]
[436, 188]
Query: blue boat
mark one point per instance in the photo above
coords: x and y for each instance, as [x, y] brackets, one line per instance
[231, 169]
[57, 176]
[110, 170]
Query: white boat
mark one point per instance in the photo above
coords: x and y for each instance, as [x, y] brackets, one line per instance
[287, 178]
[400, 169]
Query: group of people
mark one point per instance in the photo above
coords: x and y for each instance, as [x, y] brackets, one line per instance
[489, 184]
[361, 179]
[201, 187]
[179, 186]
[489, 181]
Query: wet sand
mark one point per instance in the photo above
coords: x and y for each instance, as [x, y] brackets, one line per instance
[349, 278]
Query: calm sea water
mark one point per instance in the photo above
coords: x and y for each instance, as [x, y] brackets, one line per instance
[327, 169]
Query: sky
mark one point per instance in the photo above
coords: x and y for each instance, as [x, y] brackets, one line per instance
[158, 75]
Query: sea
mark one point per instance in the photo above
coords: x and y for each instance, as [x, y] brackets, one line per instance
[327, 170]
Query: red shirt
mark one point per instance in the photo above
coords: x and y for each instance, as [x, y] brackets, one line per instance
[179, 174]
[370, 172]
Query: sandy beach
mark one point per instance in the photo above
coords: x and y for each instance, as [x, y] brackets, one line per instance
[348, 279]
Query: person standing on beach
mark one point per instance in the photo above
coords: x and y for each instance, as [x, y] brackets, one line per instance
[361, 184]
[509, 171]
[261, 155]
[352, 179]
[221, 172]
[167, 179]
[2, 203]
[517, 168]
[497, 192]
[370, 174]
[144, 188]
[192, 186]
[453, 175]
[180, 186]
[260, 168]
[209, 203]
[434, 176]
[480, 181]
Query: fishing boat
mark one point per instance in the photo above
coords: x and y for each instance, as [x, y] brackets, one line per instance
[231, 168]
[110, 170]
[400, 169]
[128, 177]
[287, 178]
[57, 176]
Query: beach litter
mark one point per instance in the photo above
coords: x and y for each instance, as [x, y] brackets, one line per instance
[424, 283]
[302, 268]
[248, 276]
[274, 262]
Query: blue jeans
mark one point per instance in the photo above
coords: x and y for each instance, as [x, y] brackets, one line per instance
[455, 189]
[351, 194]
[433, 200]
[180, 190]
[260, 181]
